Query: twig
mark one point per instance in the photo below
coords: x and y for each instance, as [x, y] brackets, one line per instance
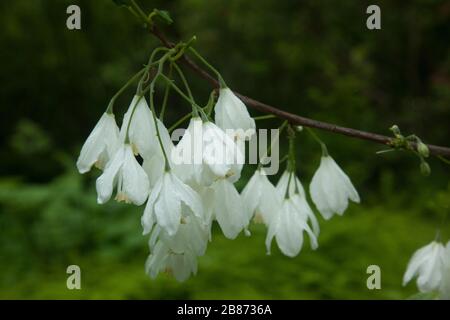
[293, 118]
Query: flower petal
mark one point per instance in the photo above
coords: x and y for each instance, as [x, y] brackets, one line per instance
[105, 183]
[101, 143]
[148, 218]
[229, 209]
[168, 207]
[135, 182]
[187, 195]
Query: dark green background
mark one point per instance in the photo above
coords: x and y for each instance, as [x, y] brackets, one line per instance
[312, 58]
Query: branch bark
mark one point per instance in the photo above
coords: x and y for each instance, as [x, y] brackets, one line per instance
[293, 118]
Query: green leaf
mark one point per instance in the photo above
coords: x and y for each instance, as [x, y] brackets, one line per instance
[163, 15]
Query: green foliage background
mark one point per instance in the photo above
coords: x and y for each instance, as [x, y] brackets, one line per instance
[313, 58]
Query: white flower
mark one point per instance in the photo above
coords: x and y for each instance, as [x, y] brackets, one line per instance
[205, 153]
[428, 264]
[101, 144]
[187, 155]
[192, 235]
[141, 129]
[231, 113]
[163, 259]
[222, 156]
[165, 203]
[260, 197]
[124, 171]
[297, 194]
[287, 227]
[229, 209]
[154, 165]
[331, 188]
[143, 137]
[177, 254]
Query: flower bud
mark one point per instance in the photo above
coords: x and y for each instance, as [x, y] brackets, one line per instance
[425, 168]
[395, 130]
[423, 150]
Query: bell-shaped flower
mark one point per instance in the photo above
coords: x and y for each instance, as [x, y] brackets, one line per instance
[229, 209]
[187, 156]
[298, 195]
[166, 201]
[101, 144]
[287, 226]
[143, 137]
[428, 264]
[141, 129]
[163, 259]
[124, 171]
[220, 154]
[331, 188]
[260, 197]
[208, 199]
[231, 113]
[192, 235]
[206, 153]
[177, 254]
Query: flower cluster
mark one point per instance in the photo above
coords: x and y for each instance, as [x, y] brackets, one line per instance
[431, 265]
[188, 185]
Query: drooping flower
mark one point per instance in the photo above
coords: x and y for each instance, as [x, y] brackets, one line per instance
[101, 144]
[298, 195]
[187, 156]
[287, 226]
[428, 264]
[229, 210]
[331, 188]
[222, 156]
[166, 201]
[231, 113]
[260, 197]
[141, 130]
[163, 259]
[177, 254]
[143, 136]
[124, 171]
[205, 153]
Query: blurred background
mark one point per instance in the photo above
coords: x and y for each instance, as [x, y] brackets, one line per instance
[312, 58]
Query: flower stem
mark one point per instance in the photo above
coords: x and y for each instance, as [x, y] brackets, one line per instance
[183, 79]
[269, 116]
[150, 64]
[139, 11]
[179, 121]
[443, 159]
[121, 90]
[291, 166]
[166, 97]
[269, 149]
[195, 107]
[286, 195]
[207, 64]
[188, 89]
[319, 141]
[152, 106]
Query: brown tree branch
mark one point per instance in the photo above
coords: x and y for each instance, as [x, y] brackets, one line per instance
[293, 118]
